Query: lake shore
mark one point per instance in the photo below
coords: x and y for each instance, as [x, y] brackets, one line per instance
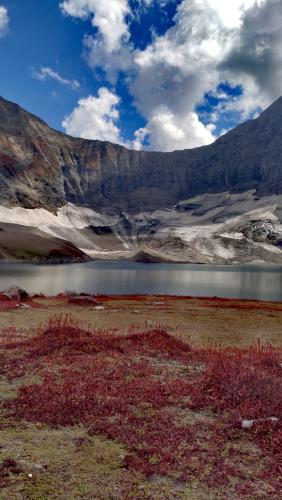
[252, 282]
[204, 321]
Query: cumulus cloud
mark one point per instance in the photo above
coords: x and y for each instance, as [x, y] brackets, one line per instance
[109, 17]
[255, 58]
[44, 72]
[4, 21]
[167, 132]
[95, 117]
[175, 71]
[210, 42]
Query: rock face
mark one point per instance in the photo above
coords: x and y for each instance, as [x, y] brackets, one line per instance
[263, 230]
[40, 167]
[67, 199]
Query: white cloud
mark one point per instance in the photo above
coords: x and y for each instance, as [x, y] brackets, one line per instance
[4, 21]
[95, 117]
[167, 132]
[44, 72]
[140, 136]
[108, 16]
[175, 71]
[211, 41]
[231, 13]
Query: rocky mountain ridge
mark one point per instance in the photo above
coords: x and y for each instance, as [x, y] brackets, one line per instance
[40, 167]
[217, 203]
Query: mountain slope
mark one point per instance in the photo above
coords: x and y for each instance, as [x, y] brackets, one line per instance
[218, 203]
[40, 167]
[20, 243]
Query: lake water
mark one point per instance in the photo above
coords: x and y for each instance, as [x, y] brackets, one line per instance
[248, 281]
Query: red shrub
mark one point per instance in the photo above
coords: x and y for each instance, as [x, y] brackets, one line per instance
[7, 468]
[246, 382]
[178, 410]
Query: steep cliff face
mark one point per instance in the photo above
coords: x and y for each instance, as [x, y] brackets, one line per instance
[40, 167]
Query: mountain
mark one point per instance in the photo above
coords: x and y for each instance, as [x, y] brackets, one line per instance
[217, 203]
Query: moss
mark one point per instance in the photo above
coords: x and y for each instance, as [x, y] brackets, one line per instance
[64, 463]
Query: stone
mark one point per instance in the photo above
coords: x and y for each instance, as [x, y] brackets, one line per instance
[16, 293]
[24, 306]
[247, 424]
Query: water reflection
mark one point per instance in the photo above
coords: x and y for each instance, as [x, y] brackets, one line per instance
[257, 282]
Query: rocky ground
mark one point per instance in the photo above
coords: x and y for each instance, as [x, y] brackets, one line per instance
[117, 397]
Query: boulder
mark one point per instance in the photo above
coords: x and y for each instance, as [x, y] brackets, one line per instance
[16, 293]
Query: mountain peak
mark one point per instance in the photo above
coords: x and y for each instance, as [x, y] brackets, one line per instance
[273, 111]
[14, 118]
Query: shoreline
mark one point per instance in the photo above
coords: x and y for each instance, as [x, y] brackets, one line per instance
[204, 320]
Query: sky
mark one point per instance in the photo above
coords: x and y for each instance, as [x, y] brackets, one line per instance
[148, 74]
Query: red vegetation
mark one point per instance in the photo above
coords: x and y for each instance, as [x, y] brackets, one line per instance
[250, 305]
[83, 300]
[7, 468]
[7, 303]
[177, 409]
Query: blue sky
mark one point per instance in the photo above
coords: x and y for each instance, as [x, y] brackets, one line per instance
[145, 73]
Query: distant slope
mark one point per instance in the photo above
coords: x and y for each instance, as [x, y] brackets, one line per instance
[19, 243]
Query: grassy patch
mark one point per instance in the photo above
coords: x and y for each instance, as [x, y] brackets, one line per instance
[144, 416]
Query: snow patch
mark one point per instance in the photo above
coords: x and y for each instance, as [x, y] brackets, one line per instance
[69, 216]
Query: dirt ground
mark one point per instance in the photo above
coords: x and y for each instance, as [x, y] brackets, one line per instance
[204, 321]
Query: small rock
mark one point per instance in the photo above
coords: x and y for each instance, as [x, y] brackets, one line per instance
[38, 466]
[30, 476]
[247, 424]
[99, 308]
[136, 311]
[273, 419]
[24, 306]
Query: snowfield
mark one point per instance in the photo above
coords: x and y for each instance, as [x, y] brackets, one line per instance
[221, 227]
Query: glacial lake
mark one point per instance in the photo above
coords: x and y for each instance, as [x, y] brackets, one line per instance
[108, 277]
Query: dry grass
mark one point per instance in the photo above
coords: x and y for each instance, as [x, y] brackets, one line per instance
[203, 321]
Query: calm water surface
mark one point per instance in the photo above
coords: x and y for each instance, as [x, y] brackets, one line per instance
[248, 281]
